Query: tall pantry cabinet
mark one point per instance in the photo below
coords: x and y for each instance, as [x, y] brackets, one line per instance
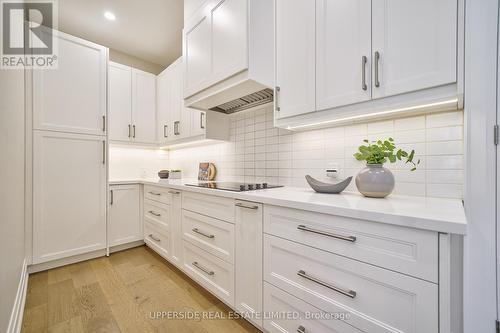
[69, 152]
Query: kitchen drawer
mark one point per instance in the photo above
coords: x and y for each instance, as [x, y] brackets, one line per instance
[210, 205]
[157, 214]
[156, 193]
[214, 274]
[303, 317]
[212, 235]
[406, 250]
[379, 300]
[157, 239]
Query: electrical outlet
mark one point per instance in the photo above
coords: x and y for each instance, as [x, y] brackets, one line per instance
[332, 172]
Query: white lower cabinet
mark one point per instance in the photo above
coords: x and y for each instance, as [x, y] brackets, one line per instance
[157, 239]
[377, 299]
[124, 214]
[69, 195]
[248, 261]
[211, 272]
[293, 315]
[286, 270]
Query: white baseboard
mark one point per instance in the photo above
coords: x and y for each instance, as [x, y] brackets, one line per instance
[16, 317]
[65, 261]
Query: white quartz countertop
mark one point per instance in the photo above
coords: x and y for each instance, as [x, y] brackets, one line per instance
[435, 214]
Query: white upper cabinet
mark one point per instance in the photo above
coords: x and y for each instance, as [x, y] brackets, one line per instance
[414, 45]
[197, 54]
[132, 105]
[72, 98]
[178, 123]
[215, 44]
[120, 106]
[143, 106]
[343, 48]
[198, 122]
[163, 98]
[229, 37]
[295, 57]
[349, 59]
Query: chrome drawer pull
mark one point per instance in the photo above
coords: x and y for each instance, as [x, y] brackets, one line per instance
[326, 233]
[153, 213]
[202, 233]
[348, 293]
[301, 329]
[154, 193]
[247, 207]
[203, 269]
[154, 238]
[174, 192]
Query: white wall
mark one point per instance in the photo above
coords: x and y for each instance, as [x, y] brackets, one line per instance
[481, 69]
[127, 162]
[12, 187]
[259, 152]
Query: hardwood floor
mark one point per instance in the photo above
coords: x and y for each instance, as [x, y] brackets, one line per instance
[122, 293]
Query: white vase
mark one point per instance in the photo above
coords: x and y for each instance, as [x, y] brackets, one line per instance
[375, 181]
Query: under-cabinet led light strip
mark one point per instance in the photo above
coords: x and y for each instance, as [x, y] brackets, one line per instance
[371, 115]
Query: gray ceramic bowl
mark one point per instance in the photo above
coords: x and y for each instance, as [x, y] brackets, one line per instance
[327, 187]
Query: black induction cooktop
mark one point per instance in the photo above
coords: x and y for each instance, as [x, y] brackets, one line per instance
[234, 186]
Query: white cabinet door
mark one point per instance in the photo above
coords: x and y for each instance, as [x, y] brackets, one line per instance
[248, 262]
[143, 106]
[120, 102]
[197, 54]
[124, 219]
[72, 98]
[69, 195]
[198, 122]
[295, 57]
[343, 49]
[414, 45]
[229, 19]
[163, 96]
[176, 228]
[180, 115]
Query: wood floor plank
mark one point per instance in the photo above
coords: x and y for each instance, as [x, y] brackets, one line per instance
[73, 325]
[94, 310]
[37, 291]
[61, 302]
[35, 319]
[122, 293]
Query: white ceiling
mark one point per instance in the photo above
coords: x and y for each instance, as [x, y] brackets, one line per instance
[147, 29]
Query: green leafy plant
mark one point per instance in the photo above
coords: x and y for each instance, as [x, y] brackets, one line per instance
[379, 152]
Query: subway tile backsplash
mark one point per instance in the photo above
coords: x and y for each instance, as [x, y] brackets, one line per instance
[258, 152]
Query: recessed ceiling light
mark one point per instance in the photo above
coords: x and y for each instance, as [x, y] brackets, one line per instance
[110, 16]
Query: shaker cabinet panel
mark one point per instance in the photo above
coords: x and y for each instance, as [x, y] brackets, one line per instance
[69, 195]
[197, 53]
[124, 215]
[343, 48]
[229, 38]
[72, 98]
[295, 57]
[414, 45]
[143, 106]
[120, 102]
